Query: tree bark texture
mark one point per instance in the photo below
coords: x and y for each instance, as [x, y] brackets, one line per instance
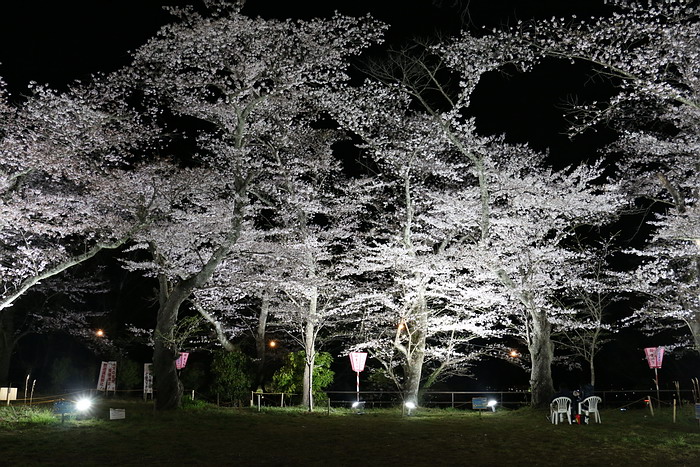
[260, 346]
[310, 353]
[414, 350]
[694, 325]
[7, 344]
[541, 353]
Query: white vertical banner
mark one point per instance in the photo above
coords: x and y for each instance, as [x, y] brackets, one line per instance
[112, 376]
[148, 378]
[102, 380]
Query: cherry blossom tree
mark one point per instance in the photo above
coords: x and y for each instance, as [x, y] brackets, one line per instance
[593, 289]
[288, 265]
[534, 211]
[437, 144]
[69, 186]
[668, 278]
[650, 53]
[247, 80]
[417, 313]
[319, 222]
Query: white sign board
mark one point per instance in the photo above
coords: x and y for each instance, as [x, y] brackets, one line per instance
[117, 414]
[8, 394]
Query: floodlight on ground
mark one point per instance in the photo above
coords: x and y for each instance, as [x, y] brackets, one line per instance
[83, 405]
[492, 403]
[358, 407]
[410, 405]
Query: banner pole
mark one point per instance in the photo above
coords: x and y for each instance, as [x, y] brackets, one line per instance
[656, 380]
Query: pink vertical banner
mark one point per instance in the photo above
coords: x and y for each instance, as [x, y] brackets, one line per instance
[182, 360]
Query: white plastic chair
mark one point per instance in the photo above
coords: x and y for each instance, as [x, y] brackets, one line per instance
[590, 406]
[559, 407]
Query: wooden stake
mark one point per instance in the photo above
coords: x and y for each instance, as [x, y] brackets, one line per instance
[651, 406]
[31, 397]
[674, 410]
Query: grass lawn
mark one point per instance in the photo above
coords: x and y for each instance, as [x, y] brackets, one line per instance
[290, 437]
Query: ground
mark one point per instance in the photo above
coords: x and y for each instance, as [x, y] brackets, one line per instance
[291, 437]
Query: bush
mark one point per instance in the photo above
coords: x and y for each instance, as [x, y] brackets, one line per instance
[289, 378]
[232, 378]
[194, 376]
[188, 403]
[129, 374]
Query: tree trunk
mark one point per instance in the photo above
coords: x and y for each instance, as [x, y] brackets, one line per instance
[413, 373]
[166, 381]
[694, 325]
[7, 344]
[260, 339]
[310, 353]
[415, 355]
[542, 353]
[592, 367]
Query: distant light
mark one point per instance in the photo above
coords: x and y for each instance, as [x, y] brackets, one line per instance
[514, 353]
[100, 333]
[273, 344]
[82, 405]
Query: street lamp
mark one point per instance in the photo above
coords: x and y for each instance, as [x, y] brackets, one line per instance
[100, 333]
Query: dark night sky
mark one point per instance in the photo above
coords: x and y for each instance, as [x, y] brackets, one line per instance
[62, 41]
